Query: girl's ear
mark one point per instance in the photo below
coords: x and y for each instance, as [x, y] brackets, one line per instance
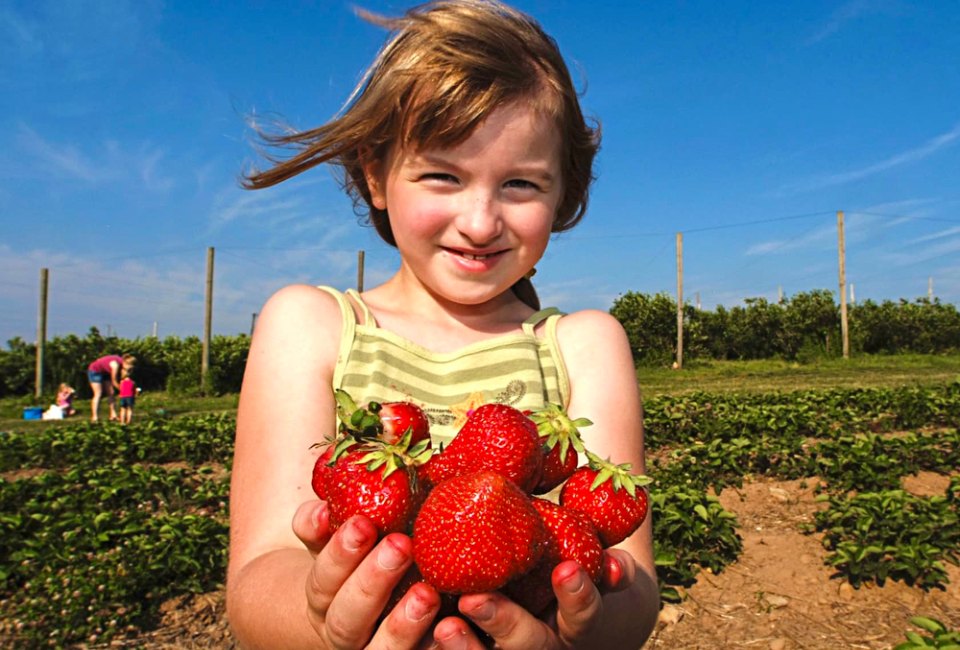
[376, 181]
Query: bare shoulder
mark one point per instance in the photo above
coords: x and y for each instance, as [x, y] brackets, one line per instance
[590, 329]
[301, 307]
[298, 323]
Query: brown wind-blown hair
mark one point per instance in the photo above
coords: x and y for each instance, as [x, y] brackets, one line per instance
[448, 65]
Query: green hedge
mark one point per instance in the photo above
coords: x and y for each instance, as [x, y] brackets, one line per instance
[171, 364]
[801, 328]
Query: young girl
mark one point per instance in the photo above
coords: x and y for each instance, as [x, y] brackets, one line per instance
[466, 144]
[128, 396]
[65, 395]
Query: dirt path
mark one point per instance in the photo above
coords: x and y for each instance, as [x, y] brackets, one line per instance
[780, 594]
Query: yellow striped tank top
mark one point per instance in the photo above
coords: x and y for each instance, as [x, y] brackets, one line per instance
[523, 369]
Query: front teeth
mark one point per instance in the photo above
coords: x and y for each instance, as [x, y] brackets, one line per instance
[475, 257]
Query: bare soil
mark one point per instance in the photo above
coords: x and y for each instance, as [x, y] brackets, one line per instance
[780, 595]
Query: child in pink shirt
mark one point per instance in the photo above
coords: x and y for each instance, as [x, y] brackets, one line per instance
[128, 395]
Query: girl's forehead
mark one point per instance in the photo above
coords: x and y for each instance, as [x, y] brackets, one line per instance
[538, 115]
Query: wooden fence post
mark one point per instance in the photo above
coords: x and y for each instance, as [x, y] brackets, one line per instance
[842, 251]
[679, 300]
[207, 324]
[41, 331]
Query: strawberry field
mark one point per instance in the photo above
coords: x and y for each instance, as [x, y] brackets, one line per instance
[764, 505]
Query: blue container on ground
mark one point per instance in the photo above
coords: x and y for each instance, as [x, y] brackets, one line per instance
[32, 413]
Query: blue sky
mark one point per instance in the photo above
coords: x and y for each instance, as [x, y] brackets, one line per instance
[745, 125]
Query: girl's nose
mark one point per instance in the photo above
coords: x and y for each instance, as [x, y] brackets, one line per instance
[480, 221]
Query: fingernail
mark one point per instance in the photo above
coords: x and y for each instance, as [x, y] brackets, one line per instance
[354, 536]
[320, 514]
[574, 582]
[484, 612]
[416, 609]
[458, 641]
[390, 557]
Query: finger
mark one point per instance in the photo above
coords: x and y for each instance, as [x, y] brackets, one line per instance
[619, 570]
[578, 601]
[409, 622]
[311, 524]
[359, 603]
[337, 562]
[454, 633]
[508, 624]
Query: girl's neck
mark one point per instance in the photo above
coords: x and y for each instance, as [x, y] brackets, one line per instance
[410, 310]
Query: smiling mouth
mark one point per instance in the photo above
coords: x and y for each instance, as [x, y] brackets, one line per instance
[477, 257]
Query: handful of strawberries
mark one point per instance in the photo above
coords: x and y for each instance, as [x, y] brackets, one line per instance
[472, 508]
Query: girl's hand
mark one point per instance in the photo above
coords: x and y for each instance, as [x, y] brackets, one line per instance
[579, 611]
[351, 580]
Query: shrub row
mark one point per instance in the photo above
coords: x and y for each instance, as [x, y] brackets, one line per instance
[803, 327]
[171, 364]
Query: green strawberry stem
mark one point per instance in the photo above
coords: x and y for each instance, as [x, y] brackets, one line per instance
[556, 427]
[620, 476]
[360, 423]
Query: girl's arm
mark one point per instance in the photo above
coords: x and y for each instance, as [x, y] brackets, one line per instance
[604, 389]
[115, 374]
[280, 593]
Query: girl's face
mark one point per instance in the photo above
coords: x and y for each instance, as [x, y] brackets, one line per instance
[471, 220]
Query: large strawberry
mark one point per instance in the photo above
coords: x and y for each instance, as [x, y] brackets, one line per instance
[561, 441]
[378, 481]
[610, 495]
[570, 536]
[475, 533]
[495, 437]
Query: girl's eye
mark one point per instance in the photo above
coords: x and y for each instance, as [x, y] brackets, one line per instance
[519, 183]
[440, 177]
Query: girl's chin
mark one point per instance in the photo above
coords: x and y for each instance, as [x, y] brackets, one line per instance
[469, 293]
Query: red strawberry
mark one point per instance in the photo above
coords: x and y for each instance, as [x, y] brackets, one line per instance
[561, 441]
[387, 421]
[495, 437]
[323, 473]
[397, 417]
[570, 536]
[612, 497]
[378, 481]
[475, 533]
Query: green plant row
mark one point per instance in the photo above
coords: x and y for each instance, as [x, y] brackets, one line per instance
[873, 536]
[130, 516]
[191, 439]
[691, 531]
[679, 420]
[90, 553]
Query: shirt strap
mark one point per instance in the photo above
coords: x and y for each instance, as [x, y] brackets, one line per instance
[347, 331]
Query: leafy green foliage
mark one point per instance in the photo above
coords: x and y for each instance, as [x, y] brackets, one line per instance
[940, 636]
[100, 524]
[804, 327]
[691, 530]
[171, 364]
[873, 536]
[110, 522]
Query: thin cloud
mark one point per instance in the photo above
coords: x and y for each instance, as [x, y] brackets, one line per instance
[19, 32]
[842, 16]
[910, 156]
[58, 160]
[935, 236]
[819, 237]
[112, 163]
